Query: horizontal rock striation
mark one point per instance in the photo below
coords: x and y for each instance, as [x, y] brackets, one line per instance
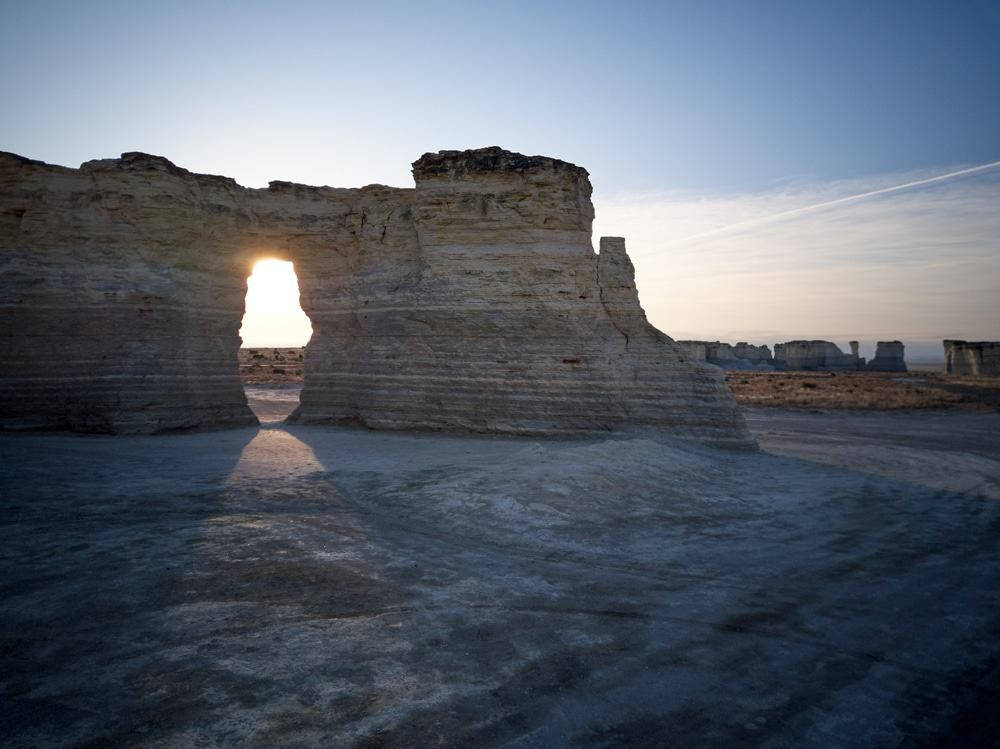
[977, 358]
[120, 302]
[473, 301]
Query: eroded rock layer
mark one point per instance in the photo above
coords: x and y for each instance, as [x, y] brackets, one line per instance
[474, 301]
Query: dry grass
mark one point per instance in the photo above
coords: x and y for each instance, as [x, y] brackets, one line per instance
[864, 390]
[271, 366]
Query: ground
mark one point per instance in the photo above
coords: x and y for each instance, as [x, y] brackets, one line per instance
[881, 391]
[312, 586]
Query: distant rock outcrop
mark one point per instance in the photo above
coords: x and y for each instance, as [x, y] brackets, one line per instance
[754, 354]
[888, 357]
[979, 358]
[474, 301]
[742, 356]
[796, 355]
[816, 355]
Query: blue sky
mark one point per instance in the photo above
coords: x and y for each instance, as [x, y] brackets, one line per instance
[714, 101]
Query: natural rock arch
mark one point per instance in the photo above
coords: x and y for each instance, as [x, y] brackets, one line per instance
[473, 301]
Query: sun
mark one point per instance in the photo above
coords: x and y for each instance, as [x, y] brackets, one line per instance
[273, 316]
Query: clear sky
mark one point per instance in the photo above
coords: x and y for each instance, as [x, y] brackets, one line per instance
[688, 115]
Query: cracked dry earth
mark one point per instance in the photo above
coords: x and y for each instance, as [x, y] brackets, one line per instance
[308, 586]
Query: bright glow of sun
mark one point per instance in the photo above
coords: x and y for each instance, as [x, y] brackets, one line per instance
[273, 315]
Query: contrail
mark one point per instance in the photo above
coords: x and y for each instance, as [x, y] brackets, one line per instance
[829, 203]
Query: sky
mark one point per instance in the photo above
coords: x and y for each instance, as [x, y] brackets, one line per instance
[689, 116]
[273, 316]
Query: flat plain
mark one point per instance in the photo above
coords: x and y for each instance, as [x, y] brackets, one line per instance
[865, 391]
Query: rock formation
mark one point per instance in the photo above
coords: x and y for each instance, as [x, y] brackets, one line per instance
[753, 354]
[742, 356]
[888, 357]
[795, 355]
[978, 358]
[815, 355]
[473, 301]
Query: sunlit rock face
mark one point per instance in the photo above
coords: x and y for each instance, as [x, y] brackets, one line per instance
[473, 302]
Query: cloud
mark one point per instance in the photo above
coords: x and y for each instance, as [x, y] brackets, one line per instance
[853, 259]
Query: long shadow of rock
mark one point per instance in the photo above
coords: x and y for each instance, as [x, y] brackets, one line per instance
[97, 534]
[262, 617]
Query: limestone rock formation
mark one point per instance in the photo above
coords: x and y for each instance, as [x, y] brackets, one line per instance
[815, 355]
[888, 357]
[473, 301]
[753, 354]
[977, 358]
[694, 350]
[742, 356]
[120, 298]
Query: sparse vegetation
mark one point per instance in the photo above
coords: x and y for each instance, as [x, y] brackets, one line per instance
[271, 366]
[864, 390]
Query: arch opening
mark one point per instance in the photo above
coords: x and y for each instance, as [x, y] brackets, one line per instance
[274, 331]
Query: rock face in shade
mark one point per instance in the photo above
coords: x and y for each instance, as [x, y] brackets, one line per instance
[815, 355]
[473, 301]
[888, 357]
[978, 358]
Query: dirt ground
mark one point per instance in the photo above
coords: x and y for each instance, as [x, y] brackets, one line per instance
[271, 366]
[314, 586]
[864, 390]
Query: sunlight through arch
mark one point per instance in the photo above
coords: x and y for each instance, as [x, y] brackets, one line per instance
[273, 316]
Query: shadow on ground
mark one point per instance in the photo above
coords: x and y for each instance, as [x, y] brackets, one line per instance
[319, 586]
